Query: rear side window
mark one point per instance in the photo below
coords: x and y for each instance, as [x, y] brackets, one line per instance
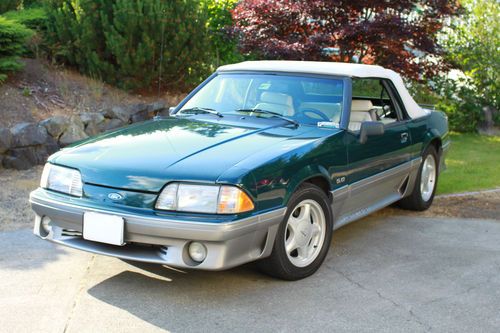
[374, 99]
[368, 88]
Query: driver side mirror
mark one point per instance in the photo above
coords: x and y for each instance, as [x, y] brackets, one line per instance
[370, 128]
[171, 109]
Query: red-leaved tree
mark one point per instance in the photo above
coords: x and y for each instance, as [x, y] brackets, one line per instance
[401, 35]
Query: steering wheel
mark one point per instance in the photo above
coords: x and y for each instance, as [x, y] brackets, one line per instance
[302, 115]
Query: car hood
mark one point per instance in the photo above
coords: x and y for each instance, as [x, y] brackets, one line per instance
[144, 157]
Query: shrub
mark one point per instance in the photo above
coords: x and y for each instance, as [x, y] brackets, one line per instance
[460, 101]
[131, 43]
[34, 18]
[12, 38]
[6, 5]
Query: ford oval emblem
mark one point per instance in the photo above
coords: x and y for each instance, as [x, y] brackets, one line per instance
[115, 196]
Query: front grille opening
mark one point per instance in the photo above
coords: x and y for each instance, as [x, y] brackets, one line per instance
[71, 232]
[163, 250]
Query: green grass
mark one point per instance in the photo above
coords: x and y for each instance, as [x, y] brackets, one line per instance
[473, 163]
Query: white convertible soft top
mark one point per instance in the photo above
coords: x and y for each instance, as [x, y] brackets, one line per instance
[332, 68]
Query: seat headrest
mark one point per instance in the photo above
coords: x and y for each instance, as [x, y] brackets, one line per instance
[359, 105]
[276, 98]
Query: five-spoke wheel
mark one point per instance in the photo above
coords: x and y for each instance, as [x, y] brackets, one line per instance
[305, 233]
[304, 236]
[422, 194]
[428, 177]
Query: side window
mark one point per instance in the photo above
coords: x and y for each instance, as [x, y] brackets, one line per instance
[373, 99]
[397, 108]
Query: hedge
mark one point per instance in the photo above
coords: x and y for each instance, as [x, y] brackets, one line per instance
[13, 36]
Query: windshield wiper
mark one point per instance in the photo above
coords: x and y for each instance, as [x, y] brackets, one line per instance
[197, 110]
[274, 114]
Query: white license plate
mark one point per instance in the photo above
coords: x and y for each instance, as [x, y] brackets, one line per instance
[103, 228]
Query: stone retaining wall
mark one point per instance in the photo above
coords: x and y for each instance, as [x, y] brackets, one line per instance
[27, 144]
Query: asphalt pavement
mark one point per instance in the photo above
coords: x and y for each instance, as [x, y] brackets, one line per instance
[393, 274]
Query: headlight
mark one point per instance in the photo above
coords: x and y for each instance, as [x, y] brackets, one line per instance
[204, 199]
[62, 179]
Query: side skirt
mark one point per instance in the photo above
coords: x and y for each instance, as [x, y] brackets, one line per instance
[393, 185]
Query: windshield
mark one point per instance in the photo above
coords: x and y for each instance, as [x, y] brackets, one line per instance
[306, 100]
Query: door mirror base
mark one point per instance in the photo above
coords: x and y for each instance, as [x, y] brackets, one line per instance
[370, 128]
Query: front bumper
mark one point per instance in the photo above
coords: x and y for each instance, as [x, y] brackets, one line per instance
[161, 240]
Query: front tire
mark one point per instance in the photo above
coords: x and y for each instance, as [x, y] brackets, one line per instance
[303, 237]
[424, 189]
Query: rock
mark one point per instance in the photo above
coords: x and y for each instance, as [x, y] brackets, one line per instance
[163, 113]
[136, 108]
[157, 106]
[74, 132]
[91, 121]
[51, 148]
[89, 117]
[55, 125]
[117, 112]
[110, 124]
[28, 134]
[11, 162]
[5, 140]
[141, 116]
[26, 157]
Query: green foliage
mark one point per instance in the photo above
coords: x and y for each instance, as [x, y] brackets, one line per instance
[472, 44]
[423, 94]
[223, 42]
[34, 18]
[32, 3]
[131, 43]
[459, 100]
[6, 5]
[12, 38]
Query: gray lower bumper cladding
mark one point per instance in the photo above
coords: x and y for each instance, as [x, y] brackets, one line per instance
[160, 240]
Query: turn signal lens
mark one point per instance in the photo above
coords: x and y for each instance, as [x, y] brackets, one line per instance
[209, 199]
[233, 200]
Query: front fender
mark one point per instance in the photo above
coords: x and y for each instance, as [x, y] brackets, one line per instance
[304, 174]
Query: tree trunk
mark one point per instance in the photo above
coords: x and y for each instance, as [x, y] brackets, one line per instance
[487, 127]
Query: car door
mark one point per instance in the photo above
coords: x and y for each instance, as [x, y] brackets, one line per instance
[379, 168]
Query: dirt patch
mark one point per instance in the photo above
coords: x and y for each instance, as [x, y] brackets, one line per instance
[15, 211]
[485, 205]
[42, 90]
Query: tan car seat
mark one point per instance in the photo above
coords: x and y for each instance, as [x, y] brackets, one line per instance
[276, 102]
[361, 110]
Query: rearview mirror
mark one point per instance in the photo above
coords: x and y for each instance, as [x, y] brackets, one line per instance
[370, 128]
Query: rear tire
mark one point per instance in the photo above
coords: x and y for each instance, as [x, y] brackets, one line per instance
[425, 185]
[303, 237]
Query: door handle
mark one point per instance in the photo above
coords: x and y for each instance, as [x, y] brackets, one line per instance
[404, 137]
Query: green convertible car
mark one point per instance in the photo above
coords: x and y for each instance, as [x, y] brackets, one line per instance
[261, 162]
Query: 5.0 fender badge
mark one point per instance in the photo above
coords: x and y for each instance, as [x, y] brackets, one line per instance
[115, 196]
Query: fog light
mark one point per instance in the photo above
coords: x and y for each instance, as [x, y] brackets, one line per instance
[197, 251]
[45, 224]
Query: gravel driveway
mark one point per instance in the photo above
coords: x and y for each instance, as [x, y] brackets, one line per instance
[384, 273]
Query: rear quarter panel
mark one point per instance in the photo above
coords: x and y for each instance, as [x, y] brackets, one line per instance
[424, 130]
